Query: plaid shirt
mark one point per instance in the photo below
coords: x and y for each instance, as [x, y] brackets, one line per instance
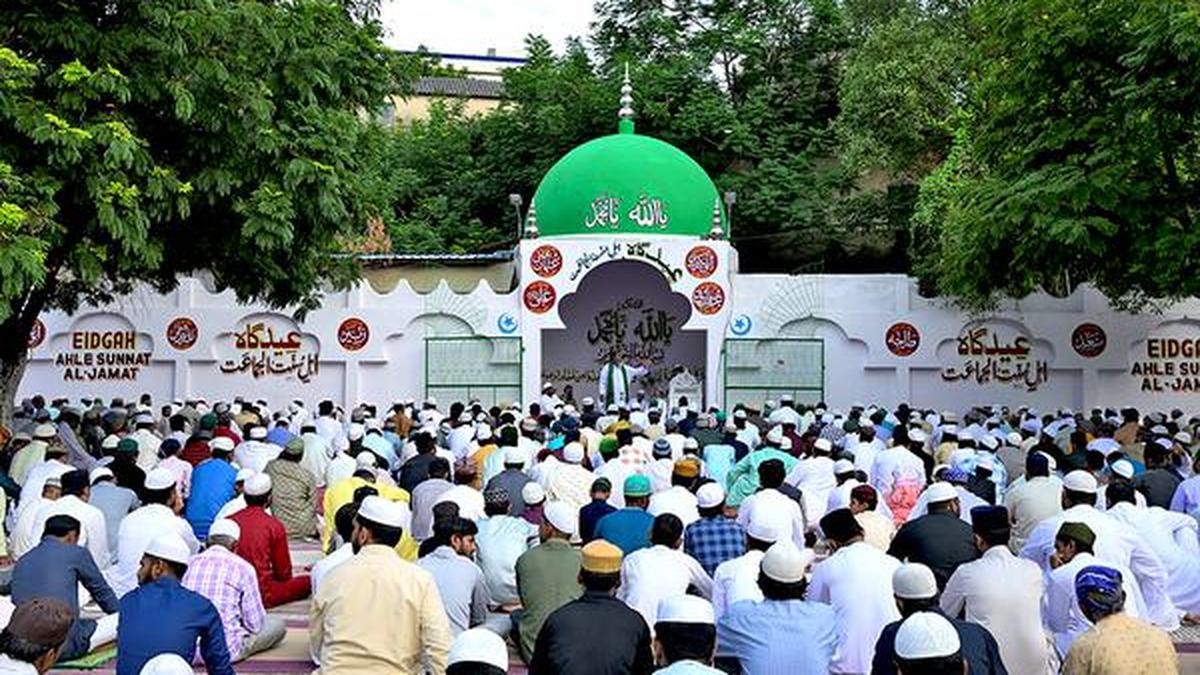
[712, 541]
[229, 583]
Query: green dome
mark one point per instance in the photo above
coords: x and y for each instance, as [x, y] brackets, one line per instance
[626, 184]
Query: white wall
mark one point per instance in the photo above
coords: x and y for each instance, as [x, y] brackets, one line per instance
[852, 314]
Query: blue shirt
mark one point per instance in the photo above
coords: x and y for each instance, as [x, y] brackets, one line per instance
[784, 637]
[279, 436]
[212, 486]
[54, 569]
[712, 541]
[719, 459]
[163, 616]
[591, 514]
[627, 528]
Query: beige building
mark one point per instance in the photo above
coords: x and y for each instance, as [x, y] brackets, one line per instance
[480, 88]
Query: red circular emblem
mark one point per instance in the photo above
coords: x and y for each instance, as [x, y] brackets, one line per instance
[701, 262]
[353, 334]
[902, 338]
[708, 298]
[1089, 340]
[546, 261]
[182, 333]
[37, 334]
[539, 297]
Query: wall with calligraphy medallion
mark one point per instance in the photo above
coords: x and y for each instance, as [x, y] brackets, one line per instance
[882, 340]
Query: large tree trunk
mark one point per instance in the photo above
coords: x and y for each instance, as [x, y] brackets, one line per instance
[14, 350]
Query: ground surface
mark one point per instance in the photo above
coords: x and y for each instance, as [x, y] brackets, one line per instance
[291, 656]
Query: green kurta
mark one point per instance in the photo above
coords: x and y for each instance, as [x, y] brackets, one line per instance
[547, 578]
[294, 497]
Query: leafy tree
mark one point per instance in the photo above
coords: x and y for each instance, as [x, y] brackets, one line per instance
[1076, 158]
[144, 140]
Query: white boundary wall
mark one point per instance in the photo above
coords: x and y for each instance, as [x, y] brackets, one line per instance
[1035, 352]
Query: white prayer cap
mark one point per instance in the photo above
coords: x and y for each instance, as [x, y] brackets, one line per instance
[44, 431]
[986, 463]
[1015, 439]
[949, 429]
[243, 474]
[143, 418]
[546, 386]
[533, 493]
[588, 400]
[431, 401]
[730, 426]
[926, 635]
[1081, 481]
[1158, 430]
[690, 443]
[1184, 438]
[258, 432]
[514, 455]
[940, 491]
[224, 443]
[843, 466]
[709, 495]
[775, 435]
[479, 645]
[355, 431]
[823, 444]
[765, 527]
[379, 510]
[169, 546]
[110, 442]
[484, 432]
[787, 398]
[739, 414]
[1165, 443]
[965, 435]
[612, 408]
[465, 417]
[1123, 468]
[100, 472]
[226, 528]
[785, 444]
[573, 453]
[561, 516]
[257, 485]
[914, 581]
[365, 460]
[917, 436]
[785, 563]
[159, 479]
[166, 664]
[989, 441]
[685, 609]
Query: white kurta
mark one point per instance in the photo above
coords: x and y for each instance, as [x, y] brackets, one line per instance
[864, 457]
[1003, 593]
[736, 580]
[814, 477]
[255, 454]
[1060, 612]
[35, 481]
[619, 383]
[676, 500]
[1172, 536]
[651, 574]
[784, 514]
[893, 467]
[967, 500]
[137, 531]
[857, 582]
[93, 530]
[28, 530]
[1118, 546]
[316, 456]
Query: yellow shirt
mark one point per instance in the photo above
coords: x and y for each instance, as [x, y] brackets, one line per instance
[342, 493]
[378, 614]
[1121, 644]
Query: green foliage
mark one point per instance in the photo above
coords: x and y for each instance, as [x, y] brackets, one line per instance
[1077, 157]
[140, 141]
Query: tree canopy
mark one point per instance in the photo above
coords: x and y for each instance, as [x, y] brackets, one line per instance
[139, 141]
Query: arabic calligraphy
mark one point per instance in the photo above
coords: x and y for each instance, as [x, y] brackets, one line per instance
[37, 334]
[182, 333]
[708, 298]
[546, 261]
[1089, 340]
[353, 334]
[902, 339]
[539, 297]
[604, 213]
[639, 250]
[993, 361]
[654, 329]
[262, 353]
[648, 212]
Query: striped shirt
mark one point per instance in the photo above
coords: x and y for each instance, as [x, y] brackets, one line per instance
[230, 583]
